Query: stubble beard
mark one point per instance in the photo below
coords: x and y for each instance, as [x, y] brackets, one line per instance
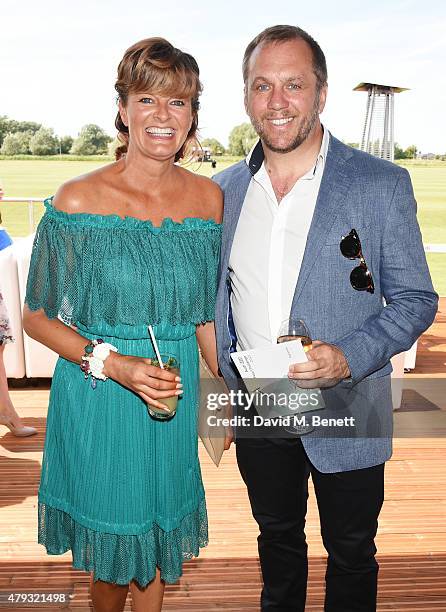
[304, 130]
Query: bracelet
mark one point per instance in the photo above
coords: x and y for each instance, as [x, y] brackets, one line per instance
[92, 362]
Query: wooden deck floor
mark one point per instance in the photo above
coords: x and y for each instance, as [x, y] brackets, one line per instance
[411, 541]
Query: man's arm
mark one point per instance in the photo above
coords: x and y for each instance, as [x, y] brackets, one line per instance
[406, 286]
[410, 297]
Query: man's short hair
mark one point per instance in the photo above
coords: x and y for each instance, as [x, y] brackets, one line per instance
[285, 33]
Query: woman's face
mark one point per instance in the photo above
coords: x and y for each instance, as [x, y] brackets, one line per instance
[158, 125]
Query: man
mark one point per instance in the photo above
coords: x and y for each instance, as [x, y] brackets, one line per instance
[289, 249]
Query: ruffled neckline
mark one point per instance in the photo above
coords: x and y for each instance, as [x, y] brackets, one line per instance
[188, 223]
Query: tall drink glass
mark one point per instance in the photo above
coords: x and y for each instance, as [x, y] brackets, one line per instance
[171, 364]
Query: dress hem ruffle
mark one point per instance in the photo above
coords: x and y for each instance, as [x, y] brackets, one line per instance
[118, 558]
[165, 524]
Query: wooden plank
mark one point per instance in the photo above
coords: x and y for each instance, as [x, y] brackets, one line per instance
[411, 539]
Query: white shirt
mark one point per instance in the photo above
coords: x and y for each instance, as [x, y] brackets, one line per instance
[267, 252]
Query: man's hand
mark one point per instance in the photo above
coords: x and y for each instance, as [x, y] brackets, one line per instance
[326, 366]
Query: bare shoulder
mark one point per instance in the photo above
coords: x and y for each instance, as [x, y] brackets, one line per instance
[71, 197]
[209, 195]
[212, 197]
[76, 195]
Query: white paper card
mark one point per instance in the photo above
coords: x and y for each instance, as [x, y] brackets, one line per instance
[270, 362]
[266, 370]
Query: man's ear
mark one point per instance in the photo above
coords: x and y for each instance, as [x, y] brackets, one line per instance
[245, 98]
[123, 113]
[322, 98]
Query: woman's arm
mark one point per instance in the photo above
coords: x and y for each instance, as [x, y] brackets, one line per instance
[54, 334]
[136, 373]
[208, 346]
[211, 193]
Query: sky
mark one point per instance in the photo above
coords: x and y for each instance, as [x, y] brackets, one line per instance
[58, 58]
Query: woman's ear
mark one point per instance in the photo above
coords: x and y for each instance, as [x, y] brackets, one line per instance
[123, 113]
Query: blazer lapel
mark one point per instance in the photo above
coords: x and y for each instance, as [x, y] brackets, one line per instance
[333, 193]
[234, 197]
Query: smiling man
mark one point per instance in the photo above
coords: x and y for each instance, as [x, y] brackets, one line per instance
[316, 230]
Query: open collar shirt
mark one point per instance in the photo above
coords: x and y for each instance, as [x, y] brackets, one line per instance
[267, 252]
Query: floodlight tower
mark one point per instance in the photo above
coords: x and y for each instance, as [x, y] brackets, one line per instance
[377, 134]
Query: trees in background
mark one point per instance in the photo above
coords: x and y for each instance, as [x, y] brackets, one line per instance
[409, 153]
[242, 139]
[65, 144]
[215, 146]
[15, 136]
[92, 140]
[16, 143]
[398, 152]
[31, 138]
[11, 126]
[112, 146]
[44, 142]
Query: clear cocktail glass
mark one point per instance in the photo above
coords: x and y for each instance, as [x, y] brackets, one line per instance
[171, 364]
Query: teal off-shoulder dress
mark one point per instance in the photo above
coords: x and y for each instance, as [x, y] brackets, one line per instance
[119, 489]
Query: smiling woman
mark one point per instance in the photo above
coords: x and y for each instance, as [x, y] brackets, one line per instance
[153, 67]
[130, 245]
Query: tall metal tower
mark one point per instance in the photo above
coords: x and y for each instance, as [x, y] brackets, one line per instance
[377, 134]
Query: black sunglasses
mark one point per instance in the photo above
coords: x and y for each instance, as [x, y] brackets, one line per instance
[360, 277]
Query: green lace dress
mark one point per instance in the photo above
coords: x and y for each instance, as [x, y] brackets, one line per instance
[119, 489]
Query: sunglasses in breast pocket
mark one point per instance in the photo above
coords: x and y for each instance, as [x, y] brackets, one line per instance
[360, 277]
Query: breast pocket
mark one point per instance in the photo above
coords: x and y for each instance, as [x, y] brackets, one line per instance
[368, 237]
[340, 230]
[338, 268]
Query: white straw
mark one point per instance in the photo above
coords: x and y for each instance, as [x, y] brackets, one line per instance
[155, 346]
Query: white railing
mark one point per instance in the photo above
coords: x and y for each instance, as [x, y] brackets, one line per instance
[31, 202]
[435, 248]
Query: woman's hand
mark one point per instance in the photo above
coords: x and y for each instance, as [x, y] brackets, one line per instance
[229, 437]
[138, 374]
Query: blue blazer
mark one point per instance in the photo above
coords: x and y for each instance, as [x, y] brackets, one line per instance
[375, 197]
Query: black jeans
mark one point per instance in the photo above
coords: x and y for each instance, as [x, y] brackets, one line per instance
[276, 473]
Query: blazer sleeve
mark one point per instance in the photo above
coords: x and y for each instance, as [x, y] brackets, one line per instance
[411, 302]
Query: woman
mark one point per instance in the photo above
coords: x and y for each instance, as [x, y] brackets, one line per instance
[131, 244]
[8, 415]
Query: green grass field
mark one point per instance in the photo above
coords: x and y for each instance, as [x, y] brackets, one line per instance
[41, 178]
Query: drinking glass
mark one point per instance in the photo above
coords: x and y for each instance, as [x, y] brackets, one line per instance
[295, 328]
[171, 364]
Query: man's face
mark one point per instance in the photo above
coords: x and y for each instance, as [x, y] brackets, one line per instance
[281, 96]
